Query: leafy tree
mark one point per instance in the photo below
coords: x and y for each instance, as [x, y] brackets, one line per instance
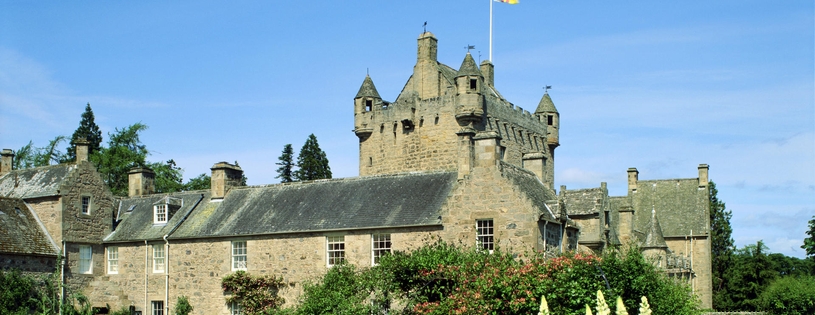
[255, 294]
[87, 129]
[124, 152]
[790, 295]
[721, 247]
[24, 157]
[200, 182]
[792, 266]
[312, 162]
[752, 272]
[809, 242]
[168, 177]
[286, 164]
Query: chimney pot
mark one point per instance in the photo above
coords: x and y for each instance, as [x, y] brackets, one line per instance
[224, 176]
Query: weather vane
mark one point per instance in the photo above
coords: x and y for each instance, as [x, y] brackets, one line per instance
[470, 47]
[425, 27]
[547, 88]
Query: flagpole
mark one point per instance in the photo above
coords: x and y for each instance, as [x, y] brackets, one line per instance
[491, 30]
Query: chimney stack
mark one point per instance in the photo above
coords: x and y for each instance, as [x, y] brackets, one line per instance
[703, 179]
[488, 71]
[633, 177]
[224, 176]
[140, 180]
[7, 161]
[81, 150]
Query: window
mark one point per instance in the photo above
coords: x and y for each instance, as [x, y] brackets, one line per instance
[158, 258]
[239, 255]
[113, 259]
[86, 205]
[335, 249]
[473, 84]
[234, 308]
[369, 104]
[158, 307]
[160, 214]
[381, 245]
[85, 259]
[484, 234]
[549, 120]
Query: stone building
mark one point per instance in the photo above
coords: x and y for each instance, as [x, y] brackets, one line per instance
[450, 158]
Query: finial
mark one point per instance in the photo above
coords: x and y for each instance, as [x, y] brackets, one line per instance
[546, 89]
[469, 47]
[424, 27]
[366, 72]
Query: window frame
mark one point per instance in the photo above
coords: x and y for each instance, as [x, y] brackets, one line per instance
[159, 249]
[85, 208]
[235, 308]
[233, 255]
[164, 213]
[378, 251]
[332, 259]
[112, 259]
[485, 234]
[157, 307]
[85, 259]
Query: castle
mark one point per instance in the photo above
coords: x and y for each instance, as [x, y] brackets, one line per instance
[449, 158]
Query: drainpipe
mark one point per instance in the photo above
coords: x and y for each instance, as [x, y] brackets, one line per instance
[166, 274]
[145, 277]
[62, 277]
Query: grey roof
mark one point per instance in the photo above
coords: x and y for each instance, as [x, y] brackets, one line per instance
[135, 215]
[683, 206]
[546, 104]
[584, 201]
[653, 235]
[367, 89]
[34, 182]
[529, 185]
[20, 233]
[398, 200]
[468, 67]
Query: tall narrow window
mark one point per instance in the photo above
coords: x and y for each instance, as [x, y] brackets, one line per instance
[335, 249]
[113, 260]
[239, 255]
[473, 84]
[381, 245]
[158, 307]
[158, 258]
[235, 308]
[369, 104]
[86, 205]
[484, 234]
[85, 259]
[160, 213]
[549, 120]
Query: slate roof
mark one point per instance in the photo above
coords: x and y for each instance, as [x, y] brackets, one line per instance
[34, 182]
[468, 67]
[20, 233]
[584, 201]
[136, 215]
[367, 88]
[682, 206]
[400, 200]
[653, 235]
[546, 104]
[529, 185]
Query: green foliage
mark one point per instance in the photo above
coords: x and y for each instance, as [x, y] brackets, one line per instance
[792, 266]
[809, 242]
[256, 295]
[124, 152]
[29, 156]
[790, 295]
[24, 157]
[340, 291]
[89, 131]
[312, 162]
[721, 247]
[182, 306]
[19, 293]
[752, 272]
[286, 164]
[199, 182]
[168, 177]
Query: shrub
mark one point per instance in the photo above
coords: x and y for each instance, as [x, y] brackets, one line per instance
[256, 295]
[182, 306]
[790, 295]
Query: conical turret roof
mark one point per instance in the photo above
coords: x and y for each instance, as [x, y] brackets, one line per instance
[546, 104]
[367, 89]
[654, 237]
[468, 67]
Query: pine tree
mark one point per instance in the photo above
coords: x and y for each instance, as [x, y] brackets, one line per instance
[721, 248]
[312, 162]
[87, 129]
[286, 164]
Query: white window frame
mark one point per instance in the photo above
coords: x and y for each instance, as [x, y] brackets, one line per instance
[235, 308]
[239, 255]
[334, 250]
[157, 307]
[85, 208]
[485, 234]
[113, 259]
[85, 259]
[159, 258]
[160, 214]
[380, 244]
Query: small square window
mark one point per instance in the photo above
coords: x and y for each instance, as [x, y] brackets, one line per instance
[160, 214]
[381, 245]
[158, 307]
[158, 258]
[484, 234]
[239, 255]
[335, 249]
[86, 205]
[85, 259]
[113, 260]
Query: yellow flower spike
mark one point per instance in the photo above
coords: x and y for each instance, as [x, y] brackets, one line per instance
[645, 308]
[621, 307]
[602, 307]
[588, 310]
[544, 309]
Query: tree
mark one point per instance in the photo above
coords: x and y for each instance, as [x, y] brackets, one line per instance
[809, 242]
[87, 129]
[124, 152]
[200, 182]
[286, 164]
[312, 162]
[752, 271]
[29, 156]
[168, 177]
[721, 247]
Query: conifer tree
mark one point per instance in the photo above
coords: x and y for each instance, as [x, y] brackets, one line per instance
[809, 242]
[87, 129]
[286, 164]
[312, 162]
[721, 248]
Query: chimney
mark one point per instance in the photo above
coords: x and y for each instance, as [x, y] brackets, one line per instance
[139, 180]
[536, 163]
[487, 148]
[465, 152]
[81, 150]
[7, 161]
[428, 47]
[224, 176]
[633, 177]
[488, 71]
[703, 179]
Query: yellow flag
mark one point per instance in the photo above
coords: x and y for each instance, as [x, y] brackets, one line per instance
[508, 1]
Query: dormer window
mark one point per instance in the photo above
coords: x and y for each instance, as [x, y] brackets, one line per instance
[160, 214]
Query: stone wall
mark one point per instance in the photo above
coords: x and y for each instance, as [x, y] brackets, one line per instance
[86, 228]
[28, 264]
[697, 247]
[49, 210]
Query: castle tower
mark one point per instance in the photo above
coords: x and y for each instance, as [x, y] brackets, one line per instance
[469, 99]
[365, 101]
[426, 71]
[549, 116]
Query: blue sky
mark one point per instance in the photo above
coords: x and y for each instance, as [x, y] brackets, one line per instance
[661, 86]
